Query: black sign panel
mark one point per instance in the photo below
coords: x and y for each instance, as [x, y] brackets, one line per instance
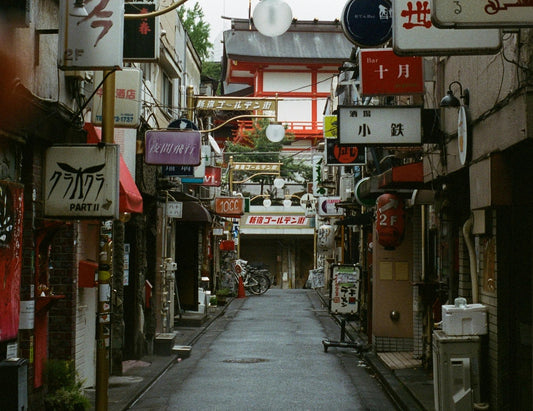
[345, 154]
[140, 39]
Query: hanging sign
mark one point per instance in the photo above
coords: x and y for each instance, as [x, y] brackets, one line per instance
[482, 13]
[94, 41]
[384, 73]
[367, 23]
[229, 206]
[330, 127]
[390, 125]
[172, 147]
[127, 98]
[213, 176]
[82, 181]
[236, 103]
[327, 206]
[344, 154]
[415, 34]
[141, 39]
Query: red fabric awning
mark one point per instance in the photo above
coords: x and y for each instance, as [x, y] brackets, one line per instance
[130, 200]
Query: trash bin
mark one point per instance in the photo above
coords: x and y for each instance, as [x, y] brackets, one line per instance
[14, 383]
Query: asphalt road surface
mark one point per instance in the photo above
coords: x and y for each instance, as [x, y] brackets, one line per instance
[266, 353]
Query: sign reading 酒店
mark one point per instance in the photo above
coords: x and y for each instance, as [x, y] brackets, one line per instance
[173, 147]
[82, 181]
[94, 41]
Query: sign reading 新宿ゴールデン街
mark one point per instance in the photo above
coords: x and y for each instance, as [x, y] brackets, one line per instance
[82, 181]
[172, 147]
[390, 125]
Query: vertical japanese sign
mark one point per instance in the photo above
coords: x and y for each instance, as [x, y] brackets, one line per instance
[82, 181]
[141, 39]
[391, 125]
[127, 98]
[415, 34]
[11, 209]
[385, 73]
[94, 41]
[345, 280]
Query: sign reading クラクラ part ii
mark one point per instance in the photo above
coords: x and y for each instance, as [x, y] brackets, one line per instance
[92, 42]
[82, 181]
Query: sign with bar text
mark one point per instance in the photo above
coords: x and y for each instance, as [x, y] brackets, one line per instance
[415, 34]
[389, 125]
[385, 73]
[172, 147]
[94, 41]
[482, 13]
[82, 181]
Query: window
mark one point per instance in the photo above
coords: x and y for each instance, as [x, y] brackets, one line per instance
[166, 99]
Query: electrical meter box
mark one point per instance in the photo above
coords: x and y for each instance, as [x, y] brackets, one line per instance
[468, 319]
[13, 380]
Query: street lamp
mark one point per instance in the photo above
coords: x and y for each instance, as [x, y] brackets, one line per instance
[272, 18]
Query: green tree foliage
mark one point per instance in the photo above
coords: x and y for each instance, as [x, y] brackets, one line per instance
[197, 29]
[259, 149]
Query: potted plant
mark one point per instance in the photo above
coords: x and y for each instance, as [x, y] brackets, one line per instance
[222, 296]
[64, 391]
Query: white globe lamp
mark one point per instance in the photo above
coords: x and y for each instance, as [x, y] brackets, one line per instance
[279, 182]
[287, 202]
[267, 202]
[275, 132]
[272, 18]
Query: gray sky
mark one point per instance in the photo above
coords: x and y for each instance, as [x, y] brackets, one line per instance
[326, 10]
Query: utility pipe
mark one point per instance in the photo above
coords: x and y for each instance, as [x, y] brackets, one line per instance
[467, 233]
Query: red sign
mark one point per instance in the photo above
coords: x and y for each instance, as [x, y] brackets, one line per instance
[213, 176]
[229, 206]
[385, 73]
[390, 220]
[11, 196]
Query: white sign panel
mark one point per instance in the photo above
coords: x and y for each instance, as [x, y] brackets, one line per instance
[82, 181]
[345, 289]
[127, 98]
[482, 13]
[175, 209]
[327, 206]
[391, 125]
[414, 34]
[94, 41]
[27, 315]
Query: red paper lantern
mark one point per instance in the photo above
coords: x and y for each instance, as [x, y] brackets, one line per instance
[390, 220]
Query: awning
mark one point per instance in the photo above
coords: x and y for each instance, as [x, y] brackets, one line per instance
[194, 211]
[130, 200]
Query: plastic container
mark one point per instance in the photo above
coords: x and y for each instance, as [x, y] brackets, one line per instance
[464, 319]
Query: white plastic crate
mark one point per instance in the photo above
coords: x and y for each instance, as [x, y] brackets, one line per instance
[468, 319]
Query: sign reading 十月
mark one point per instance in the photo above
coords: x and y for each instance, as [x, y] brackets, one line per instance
[385, 73]
[391, 125]
[82, 181]
[94, 41]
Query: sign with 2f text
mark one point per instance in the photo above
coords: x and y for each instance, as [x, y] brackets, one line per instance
[391, 125]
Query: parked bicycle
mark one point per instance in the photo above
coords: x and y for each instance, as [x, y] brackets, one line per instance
[255, 281]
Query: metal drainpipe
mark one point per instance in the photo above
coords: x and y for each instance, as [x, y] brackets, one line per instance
[467, 233]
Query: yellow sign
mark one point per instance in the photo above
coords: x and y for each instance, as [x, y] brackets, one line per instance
[330, 126]
[236, 103]
[266, 167]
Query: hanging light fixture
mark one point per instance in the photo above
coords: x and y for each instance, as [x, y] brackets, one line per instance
[275, 132]
[272, 18]
[79, 9]
[449, 100]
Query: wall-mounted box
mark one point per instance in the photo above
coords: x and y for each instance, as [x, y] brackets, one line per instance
[87, 272]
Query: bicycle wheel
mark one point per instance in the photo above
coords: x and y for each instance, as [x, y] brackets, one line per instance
[260, 284]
